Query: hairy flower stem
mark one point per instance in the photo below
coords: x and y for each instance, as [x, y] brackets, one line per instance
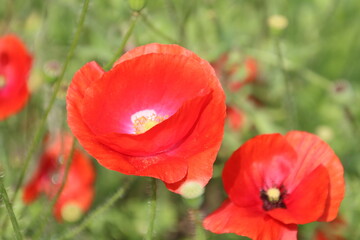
[152, 207]
[5, 199]
[58, 193]
[101, 209]
[199, 230]
[124, 41]
[40, 130]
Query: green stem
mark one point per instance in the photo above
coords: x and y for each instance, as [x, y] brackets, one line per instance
[58, 193]
[10, 211]
[95, 214]
[288, 97]
[152, 206]
[124, 41]
[199, 230]
[156, 30]
[308, 74]
[41, 128]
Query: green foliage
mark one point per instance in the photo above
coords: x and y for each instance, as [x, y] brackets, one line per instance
[319, 52]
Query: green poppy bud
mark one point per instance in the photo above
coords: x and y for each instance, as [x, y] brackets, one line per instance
[137, 5]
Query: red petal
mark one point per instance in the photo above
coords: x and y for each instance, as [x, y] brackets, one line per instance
[15, 64]
[312, 152]
[168, 49]
[82, 80]
[320, 235]
[164, 136]
[83, 198]
[142, 84]
[306, 203]
[235, 116]
[31, 192]
[262, 162]
[14, 103]
[107, 157]
[230, 218]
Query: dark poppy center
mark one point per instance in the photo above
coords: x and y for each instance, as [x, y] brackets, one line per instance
[273, 198]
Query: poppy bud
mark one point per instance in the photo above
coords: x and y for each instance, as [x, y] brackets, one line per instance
[191, 189]
[325, 132]
[52, 70]
[342, 92]
[277, 23]
[137, 5]
[71, 212]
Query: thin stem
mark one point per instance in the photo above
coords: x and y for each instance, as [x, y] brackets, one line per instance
[41, 128]
[288, 97]
[197, 218]
[8, 16]
[124, 41]
[10, 211]
[306, 73]
[95, 214]
[156, 30]
[152, 206]
[182, 26]
[69, 161]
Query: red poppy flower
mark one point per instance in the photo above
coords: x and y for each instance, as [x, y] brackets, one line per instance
[251, 74]
[275, 182]
[159, 112]
[15, 64]
[331, 230]
[235, 116]
[78, 191]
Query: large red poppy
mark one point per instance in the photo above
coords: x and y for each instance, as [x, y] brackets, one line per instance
[158, 112]
[275, 182]
[78, 191]
[15, 64]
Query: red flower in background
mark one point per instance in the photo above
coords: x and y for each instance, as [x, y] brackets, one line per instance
[228, 72]
[275, 182]
[235, 117]
[159, 112]
[15, 64]
[331, 230]
[251, 68]
[78, 191]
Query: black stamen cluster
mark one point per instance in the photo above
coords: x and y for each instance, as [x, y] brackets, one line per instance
[269, 205]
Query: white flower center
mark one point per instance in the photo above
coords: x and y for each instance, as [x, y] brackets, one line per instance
[146, 119]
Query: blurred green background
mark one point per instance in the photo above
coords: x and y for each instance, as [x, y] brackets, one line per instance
[307, 79]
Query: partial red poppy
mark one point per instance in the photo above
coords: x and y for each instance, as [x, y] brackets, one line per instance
[235, 117]
[331, 231]
[275, 182]
[15, 64]
[219, 65]
[78, 191]
[251, 68]
[159, 112]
